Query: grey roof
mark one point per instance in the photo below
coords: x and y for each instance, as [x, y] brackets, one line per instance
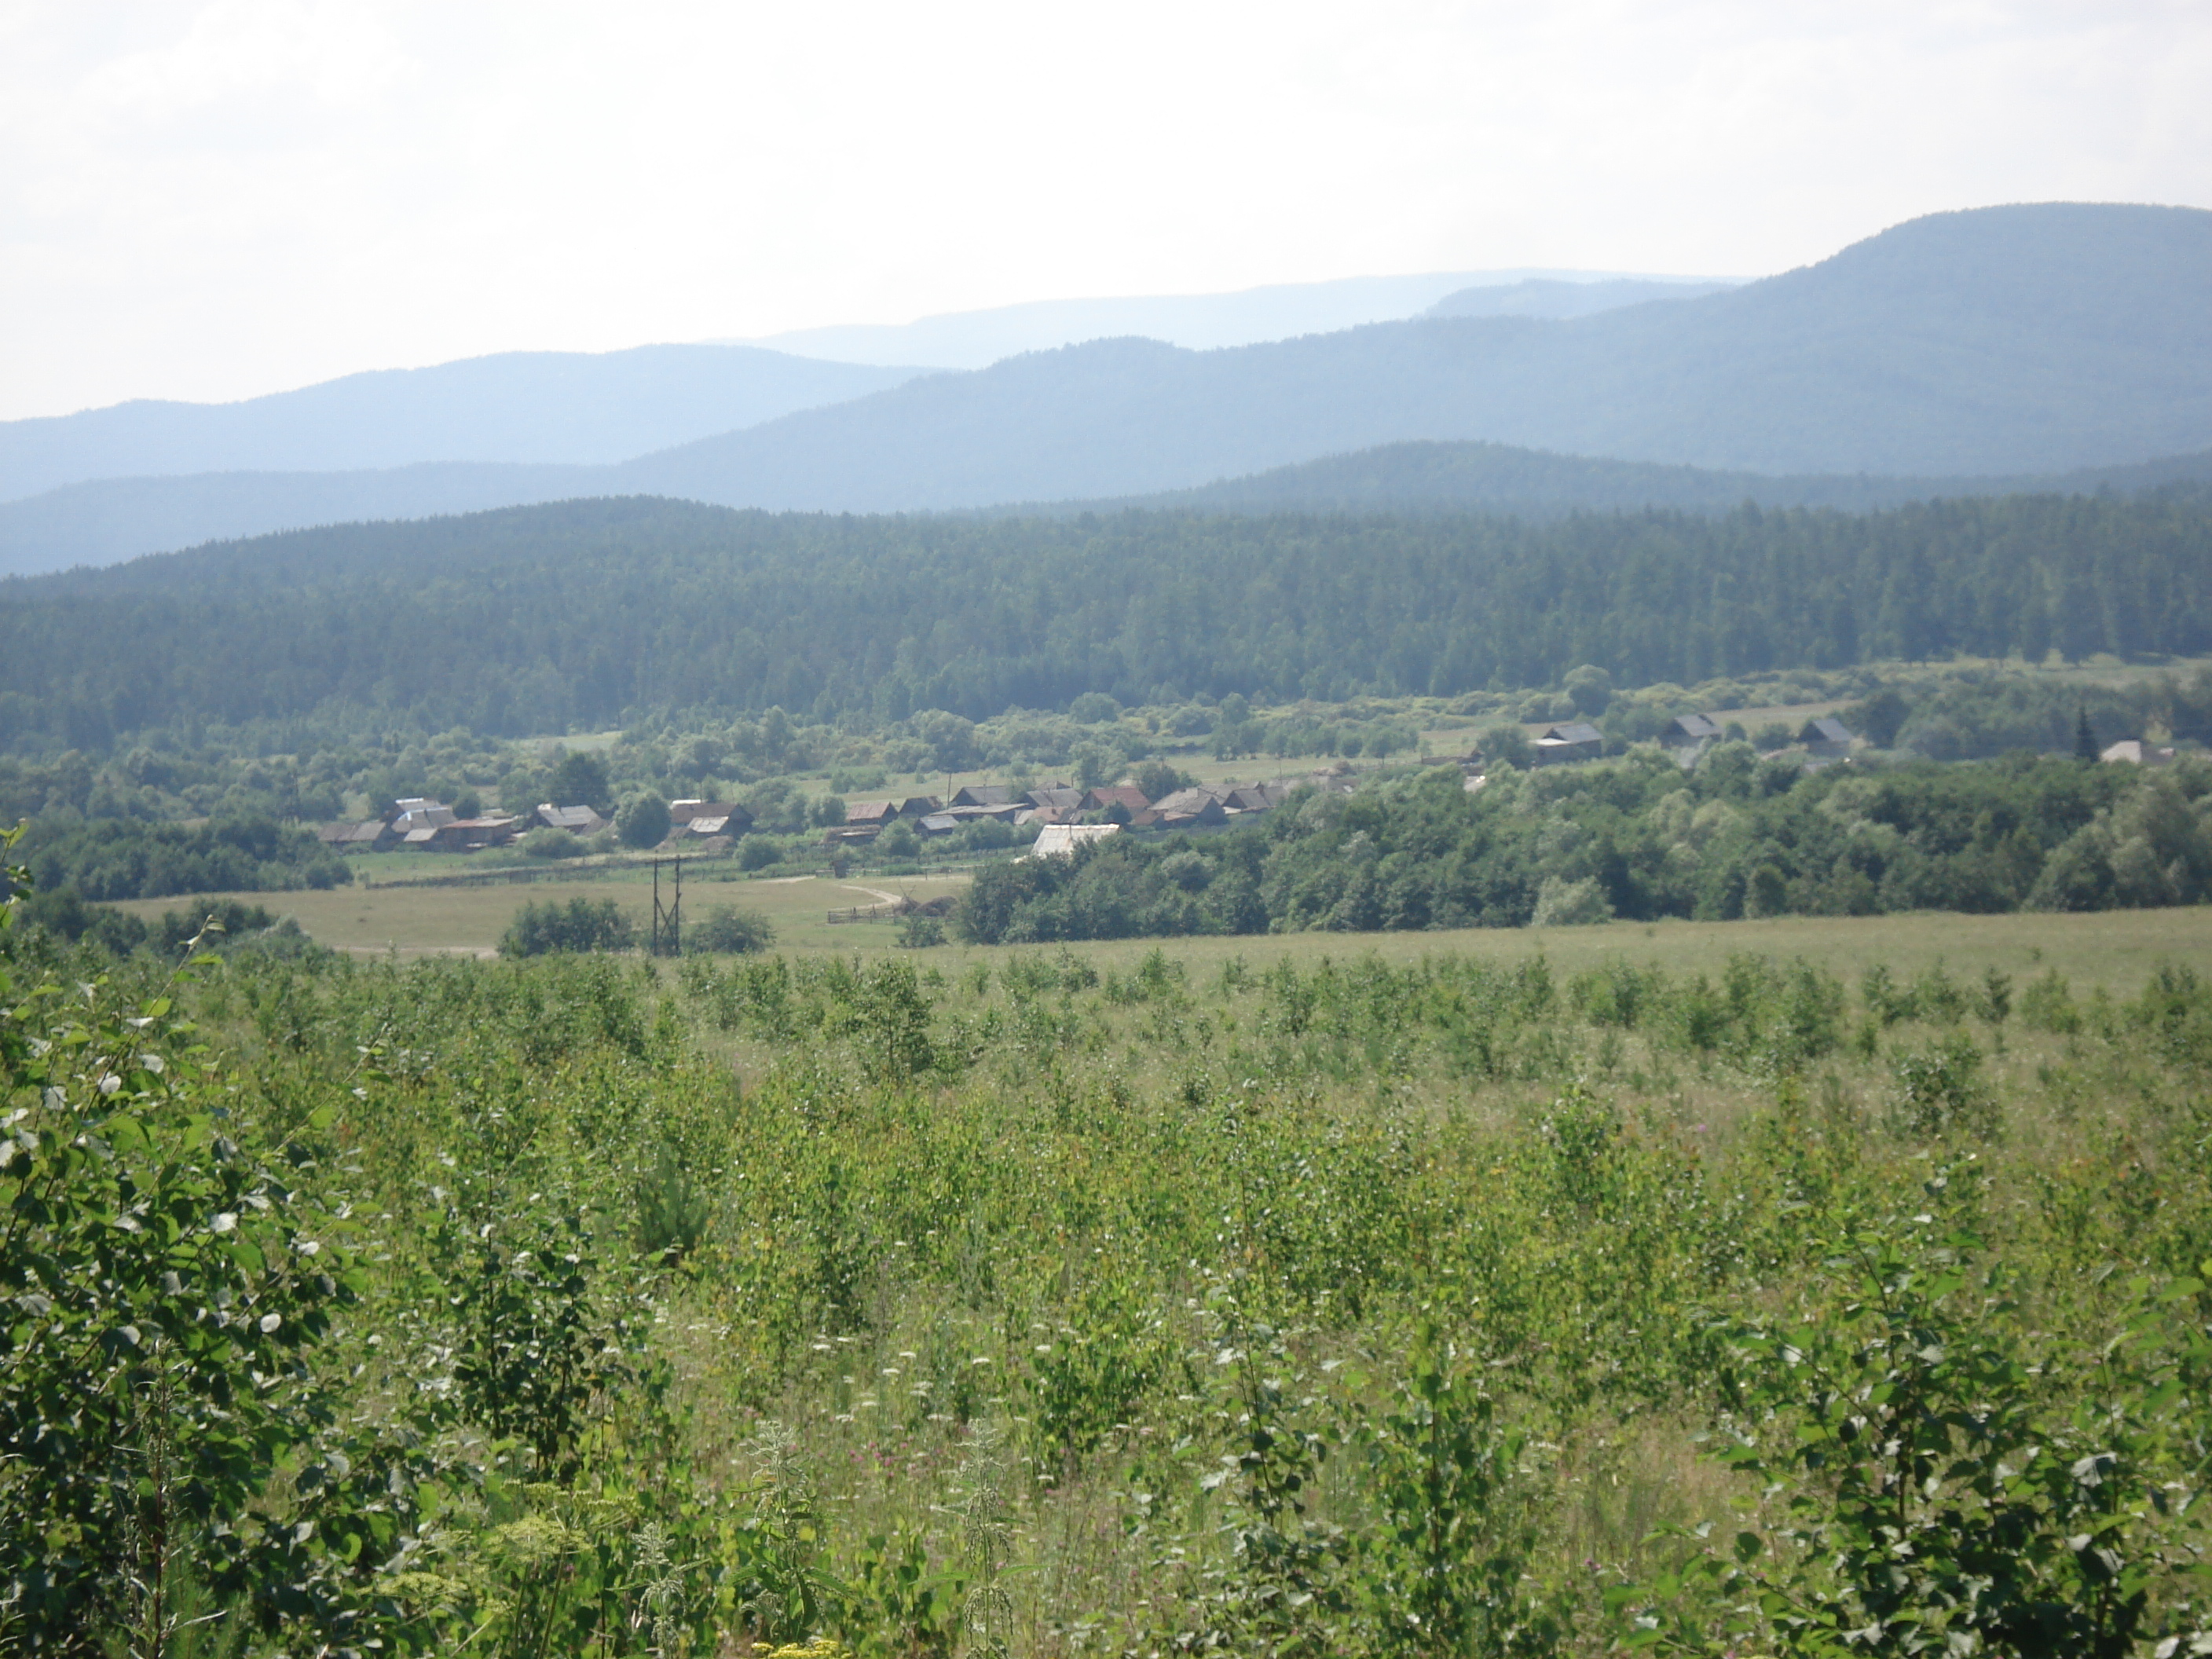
[1697, 725]
[1188, 803]
[1831, 730]
[579, 819]
[983, 795]
[1571, 731]
[683, 811]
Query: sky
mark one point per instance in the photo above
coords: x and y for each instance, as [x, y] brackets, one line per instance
[209, 201]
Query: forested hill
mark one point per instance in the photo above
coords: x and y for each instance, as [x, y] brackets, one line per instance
[1463, 477]
[534, 619]
[2000, 342]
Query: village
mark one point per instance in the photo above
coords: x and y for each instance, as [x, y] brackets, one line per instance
[1064, 816]
[1060, 816]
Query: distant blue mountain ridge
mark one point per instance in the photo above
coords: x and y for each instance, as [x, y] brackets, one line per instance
[1993, 348]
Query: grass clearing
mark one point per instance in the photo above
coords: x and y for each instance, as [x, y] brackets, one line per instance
[417, 921]
[2114, 949]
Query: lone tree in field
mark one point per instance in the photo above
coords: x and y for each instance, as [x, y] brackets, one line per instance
[2085, 736]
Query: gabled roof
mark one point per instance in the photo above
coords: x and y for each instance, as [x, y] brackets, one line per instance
[1576, 731]
[870, 812]
[683, 811]
[1108, 795]
[1696, 727]
[580, 820]
[916, 806]
[1255, 797]
[1827, 729]
[1184, 806]
[983, 795]
[1056, 798]
[1060, 840]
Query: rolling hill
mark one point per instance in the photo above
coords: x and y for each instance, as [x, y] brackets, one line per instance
[1998, 343]
[518, 406]
[579, 615]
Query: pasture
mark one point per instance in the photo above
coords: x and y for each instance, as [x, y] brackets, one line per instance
[2114, 949]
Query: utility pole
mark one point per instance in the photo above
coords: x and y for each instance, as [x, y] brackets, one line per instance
[668, 920]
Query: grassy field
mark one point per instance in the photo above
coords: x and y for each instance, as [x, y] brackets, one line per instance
[2114, 949]
[416, 921]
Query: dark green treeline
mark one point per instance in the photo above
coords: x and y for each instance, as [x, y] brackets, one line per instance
[587, 613]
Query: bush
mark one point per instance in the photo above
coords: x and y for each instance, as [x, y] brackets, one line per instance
[1940, 1092]
[1156, 779]
[581, 924]
[917, 931]
[757, 853]
[547, 842]
[726, 930]
[1571, 904]
[1507, 744]
[644, 822]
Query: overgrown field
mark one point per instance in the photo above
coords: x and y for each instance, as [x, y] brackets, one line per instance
[1120, 1301]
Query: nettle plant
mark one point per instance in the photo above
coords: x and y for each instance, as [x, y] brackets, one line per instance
[1940, 1479]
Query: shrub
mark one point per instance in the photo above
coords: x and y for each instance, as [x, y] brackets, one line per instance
[757, 853]
[918, 932]
[643, 821]
[581, 924]
[1940, 1091]
[727, 929]
[1571, 904]
[547, 842]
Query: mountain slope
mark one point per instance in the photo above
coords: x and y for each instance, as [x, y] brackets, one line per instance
[1460, 477]
[2003, 340]
[1992, 343]
[520, 406]
[1204, 322]
[1542, 297]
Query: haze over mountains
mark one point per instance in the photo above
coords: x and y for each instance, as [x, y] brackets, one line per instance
[1208, 322]
[1992, 344]
[527, 406]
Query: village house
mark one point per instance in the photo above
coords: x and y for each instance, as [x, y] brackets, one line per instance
[419, 815]
[1569, 740]
[1060, 840]
[727, 816]
[2134, 751]
[1057, 804]
[576, 820]
[1827, 737]
[469, 834]
[1186, 808]
[877, 813]
[1690, 730]
[371, 836]
[1105, 798]
[1254, 798]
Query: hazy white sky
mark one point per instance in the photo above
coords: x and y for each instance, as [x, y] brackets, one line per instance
[212, 200]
